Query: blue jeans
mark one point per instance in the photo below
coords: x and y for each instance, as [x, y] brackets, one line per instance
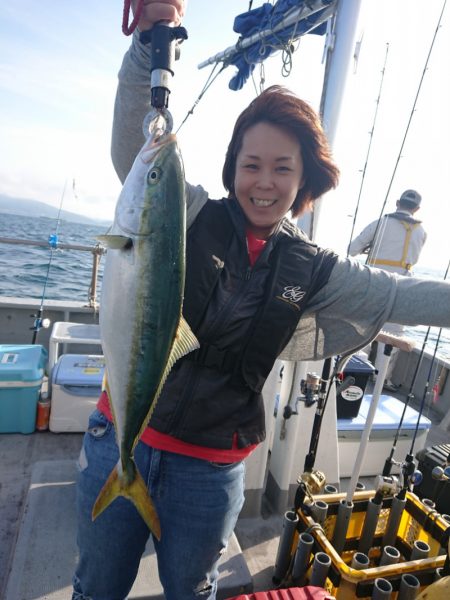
[198, 504]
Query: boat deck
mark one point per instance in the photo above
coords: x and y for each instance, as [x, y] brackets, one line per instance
[20, 454]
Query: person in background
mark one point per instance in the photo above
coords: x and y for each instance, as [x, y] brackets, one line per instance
[394, 244]
[256, 289]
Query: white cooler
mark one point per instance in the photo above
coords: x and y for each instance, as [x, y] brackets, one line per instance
[387, 418]
[76, 387]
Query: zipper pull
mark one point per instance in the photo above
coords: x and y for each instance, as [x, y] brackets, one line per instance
[248, 273]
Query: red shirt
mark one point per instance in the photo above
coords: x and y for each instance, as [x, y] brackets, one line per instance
[162, 441]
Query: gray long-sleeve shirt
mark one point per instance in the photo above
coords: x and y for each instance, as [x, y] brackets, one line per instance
[351, 308]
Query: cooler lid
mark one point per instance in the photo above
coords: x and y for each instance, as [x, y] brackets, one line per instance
[359, 365]
[22, 362]
[387, 416]
[79, 369]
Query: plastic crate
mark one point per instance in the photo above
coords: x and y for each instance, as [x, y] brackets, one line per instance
[306, 593]
[418, 522]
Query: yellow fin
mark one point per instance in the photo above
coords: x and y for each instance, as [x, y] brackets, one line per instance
[115, 242]
[136, 491]
[183, 343]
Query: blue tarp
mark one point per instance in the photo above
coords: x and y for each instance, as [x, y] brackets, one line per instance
[266, 17]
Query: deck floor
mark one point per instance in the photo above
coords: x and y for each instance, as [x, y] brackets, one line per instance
[258, 537]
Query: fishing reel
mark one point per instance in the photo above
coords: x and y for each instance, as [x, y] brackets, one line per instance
[314, 480]
[309, 483]
[39, 323]
[309, 394]
[387, 485]
[441, 473]
[310, 388]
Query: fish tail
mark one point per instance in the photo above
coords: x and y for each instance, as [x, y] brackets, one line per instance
[136, 491]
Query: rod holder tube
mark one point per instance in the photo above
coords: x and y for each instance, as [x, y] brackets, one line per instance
[330, 489]
[409, 587]
[420, 550]
[428, 502]
[360, 561]
[283, 559]
[319, 511]
[395, 515]
[320, 568]
[382, 589]
[370, 526]
[342, 520]
[389, 556]
[302, 557]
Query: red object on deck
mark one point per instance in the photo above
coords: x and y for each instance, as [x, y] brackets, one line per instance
[309, 592]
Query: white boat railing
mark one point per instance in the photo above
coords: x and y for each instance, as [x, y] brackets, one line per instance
[97, 251]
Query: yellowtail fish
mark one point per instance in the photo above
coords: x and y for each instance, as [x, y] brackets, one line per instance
[142, 328]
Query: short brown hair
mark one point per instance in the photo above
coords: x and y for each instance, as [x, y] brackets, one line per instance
[280, 107]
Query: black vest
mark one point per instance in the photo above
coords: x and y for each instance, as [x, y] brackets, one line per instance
[298, 268]
[214, 393]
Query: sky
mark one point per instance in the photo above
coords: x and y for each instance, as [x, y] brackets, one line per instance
[58, 73]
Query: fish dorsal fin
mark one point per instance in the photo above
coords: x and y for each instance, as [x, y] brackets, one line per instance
[183, 343]
[115, 242]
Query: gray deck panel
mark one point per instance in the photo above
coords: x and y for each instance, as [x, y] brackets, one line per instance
[44, 559]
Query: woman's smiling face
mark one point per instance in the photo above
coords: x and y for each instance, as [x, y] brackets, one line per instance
[269, 173]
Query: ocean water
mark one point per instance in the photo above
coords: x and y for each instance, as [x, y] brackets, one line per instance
[23, 269]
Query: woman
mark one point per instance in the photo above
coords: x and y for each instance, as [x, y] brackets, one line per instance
[256, 289]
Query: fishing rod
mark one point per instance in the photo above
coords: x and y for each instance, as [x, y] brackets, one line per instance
[413, 109]
[410, 476]
[39, 321]
[389, 461]
[371, 132]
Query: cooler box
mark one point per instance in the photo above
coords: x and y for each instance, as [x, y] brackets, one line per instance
[76, 387]
[21, 375]
[385, 423]
[438, 491]
[349, 402]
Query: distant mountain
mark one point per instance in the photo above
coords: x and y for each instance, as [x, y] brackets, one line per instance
[30, 208]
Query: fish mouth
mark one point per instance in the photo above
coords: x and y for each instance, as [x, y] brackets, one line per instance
[153, 146]
[261, 203]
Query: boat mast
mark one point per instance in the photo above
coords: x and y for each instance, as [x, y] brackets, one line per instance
[338, 58]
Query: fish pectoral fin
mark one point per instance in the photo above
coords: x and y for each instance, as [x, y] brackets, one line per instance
[136, 491]
[184, 342]
[115, 242]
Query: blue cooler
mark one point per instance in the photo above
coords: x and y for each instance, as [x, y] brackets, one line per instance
[76, 387]
[21, 375]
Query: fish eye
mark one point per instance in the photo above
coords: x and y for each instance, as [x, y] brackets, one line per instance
[153, 175]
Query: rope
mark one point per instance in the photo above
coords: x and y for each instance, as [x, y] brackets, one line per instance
[127, 29]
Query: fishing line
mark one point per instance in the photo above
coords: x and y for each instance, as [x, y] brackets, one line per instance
[371, 132]
[210, 80]
[411, 116]
[53, 243]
